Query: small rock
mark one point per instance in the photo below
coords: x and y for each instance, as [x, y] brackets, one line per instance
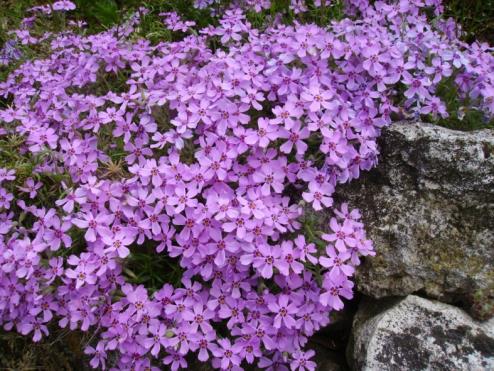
[418, 334]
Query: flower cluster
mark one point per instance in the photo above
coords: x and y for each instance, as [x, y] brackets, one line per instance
[9, 53]
[209, 150]
[57, 6]
[174, 22]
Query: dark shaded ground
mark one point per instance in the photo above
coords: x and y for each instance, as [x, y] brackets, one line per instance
[60, 351]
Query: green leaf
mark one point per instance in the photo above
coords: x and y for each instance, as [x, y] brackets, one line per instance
[104, 11]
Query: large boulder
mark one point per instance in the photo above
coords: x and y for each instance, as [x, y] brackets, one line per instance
[429, 208]
[418, 334]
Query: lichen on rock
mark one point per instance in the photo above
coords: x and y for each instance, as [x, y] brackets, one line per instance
[419, 334]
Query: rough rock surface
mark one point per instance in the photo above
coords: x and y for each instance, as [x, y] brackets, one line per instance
[429, 208]
[419, 334]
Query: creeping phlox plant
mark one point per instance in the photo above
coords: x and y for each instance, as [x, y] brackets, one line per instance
[208, 151]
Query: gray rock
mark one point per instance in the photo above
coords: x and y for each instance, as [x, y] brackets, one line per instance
[429, 208]
[419, 334]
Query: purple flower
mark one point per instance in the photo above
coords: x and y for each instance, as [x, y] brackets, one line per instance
[199, 317]
[183, 198]
[5, 198]
[238, 224]
[83, 273]
[265, 261]
[435, 107]
[152, 170]
[317, 98]
[157, 340]
[306, 251]
[41, 137]
[63, 5]
[301, 361]
[285, 115]
[31, 324]
[98, 355]
[417, 86]
[233, 310]
[181, 340]
[203, 343]
[155, 219]
[175, 360]
[333, 290]
[6, 175]
[220, 246]
[318, 195]
[295, 136]
[439, 69]
[284, 311]
[227, 353]
[271, 177]
[342, 236]
[31, 187]
[118, 242]
[336, 262]
[96, 225]
[265, 134]
[56, 234]
[288, 261]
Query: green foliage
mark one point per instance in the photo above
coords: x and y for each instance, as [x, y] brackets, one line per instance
[467, 119]
[150, 269]
[475, 16]
[104, 13]
[11, 13]
[332, 10]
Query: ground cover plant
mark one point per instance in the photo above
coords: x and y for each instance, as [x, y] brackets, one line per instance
[158, 193]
